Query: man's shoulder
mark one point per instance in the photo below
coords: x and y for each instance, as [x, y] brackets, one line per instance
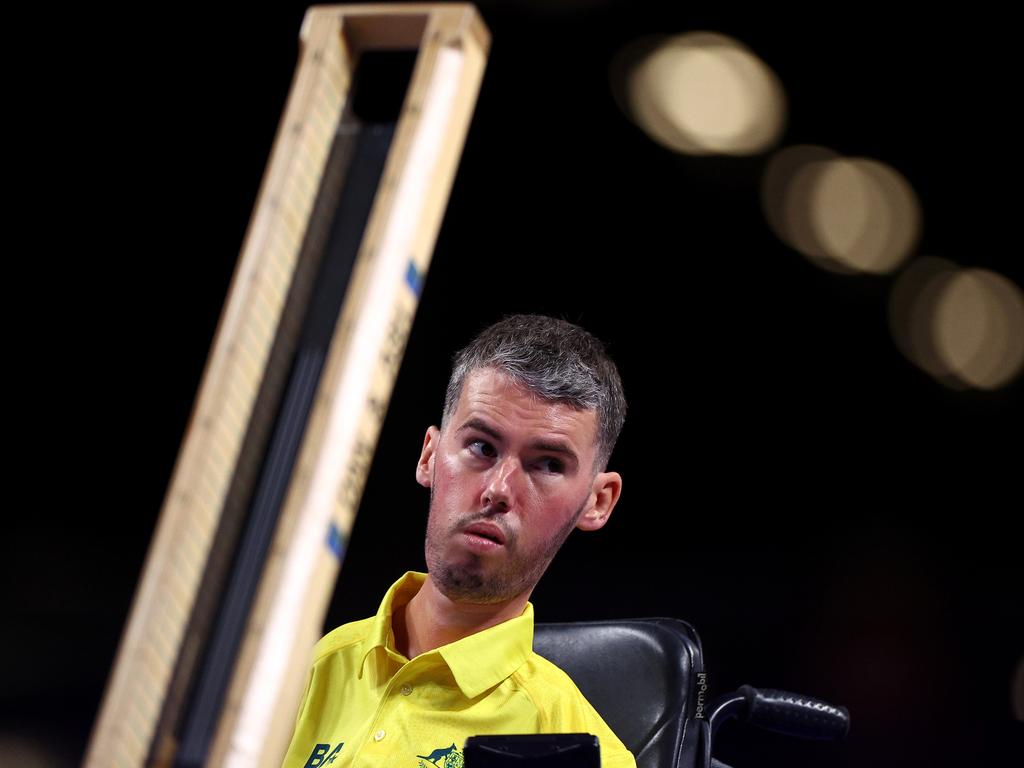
[553, 691]
[340, 638]
[563, 707]
[544, 672]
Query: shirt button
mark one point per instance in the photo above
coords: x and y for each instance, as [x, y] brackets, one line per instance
[379, 735]
[406, 689]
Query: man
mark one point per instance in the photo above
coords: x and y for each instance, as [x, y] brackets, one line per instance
[533, 409]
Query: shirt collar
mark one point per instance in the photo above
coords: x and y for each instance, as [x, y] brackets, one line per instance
[478, 661]
[381, 634]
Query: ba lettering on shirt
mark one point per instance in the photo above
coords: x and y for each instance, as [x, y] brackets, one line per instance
[367, 705]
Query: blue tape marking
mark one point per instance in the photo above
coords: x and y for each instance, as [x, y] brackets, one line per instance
[335, 542]
[414, 279]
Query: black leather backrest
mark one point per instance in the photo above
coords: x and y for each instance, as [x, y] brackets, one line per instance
[640, 675]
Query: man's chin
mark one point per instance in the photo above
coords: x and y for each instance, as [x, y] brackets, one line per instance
[469, 584]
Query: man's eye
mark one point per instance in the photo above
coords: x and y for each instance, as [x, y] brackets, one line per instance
[482, 449]
[550, 464]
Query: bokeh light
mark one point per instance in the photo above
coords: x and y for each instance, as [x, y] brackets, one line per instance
[965, 327]
[979, 328]
[911, 306]
[786, 189]
[847, 215]
[700, 93]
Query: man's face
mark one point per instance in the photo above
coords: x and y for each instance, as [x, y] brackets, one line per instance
[509, 478]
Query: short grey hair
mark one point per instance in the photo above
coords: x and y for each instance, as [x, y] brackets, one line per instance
[555, 360]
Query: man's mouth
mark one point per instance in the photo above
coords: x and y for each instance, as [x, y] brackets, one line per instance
[488, 531]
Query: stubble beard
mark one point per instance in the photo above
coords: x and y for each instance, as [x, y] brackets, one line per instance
[468, 581]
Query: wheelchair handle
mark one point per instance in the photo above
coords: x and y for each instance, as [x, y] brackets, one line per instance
[782, 712]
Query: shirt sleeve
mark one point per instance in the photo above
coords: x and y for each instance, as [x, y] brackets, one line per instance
[613, 752]
[570, 712]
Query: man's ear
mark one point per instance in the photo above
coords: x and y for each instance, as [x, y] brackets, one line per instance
[425, 466]
[604, 494]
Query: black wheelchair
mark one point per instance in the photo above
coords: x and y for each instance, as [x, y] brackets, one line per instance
[646, 678]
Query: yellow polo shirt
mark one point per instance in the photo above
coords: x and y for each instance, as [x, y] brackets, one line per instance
[367, 705]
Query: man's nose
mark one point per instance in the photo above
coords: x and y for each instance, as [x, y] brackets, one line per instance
[500, 484]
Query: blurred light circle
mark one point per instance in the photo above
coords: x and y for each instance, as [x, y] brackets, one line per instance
[846, 215]
[700, 93]
[911, 308]
[964, 327]
[979, 328]
[864, 213]
[785, 199]
[835, 200]
[898, 202]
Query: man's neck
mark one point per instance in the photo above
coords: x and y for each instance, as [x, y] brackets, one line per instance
[430, 619]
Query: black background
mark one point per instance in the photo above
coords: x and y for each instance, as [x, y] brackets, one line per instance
[831, 520]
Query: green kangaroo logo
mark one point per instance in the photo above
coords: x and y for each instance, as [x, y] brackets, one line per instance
[438, 753]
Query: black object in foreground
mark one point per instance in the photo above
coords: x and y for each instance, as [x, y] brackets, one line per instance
[780, 711]
[557, 750]
[790, 713]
